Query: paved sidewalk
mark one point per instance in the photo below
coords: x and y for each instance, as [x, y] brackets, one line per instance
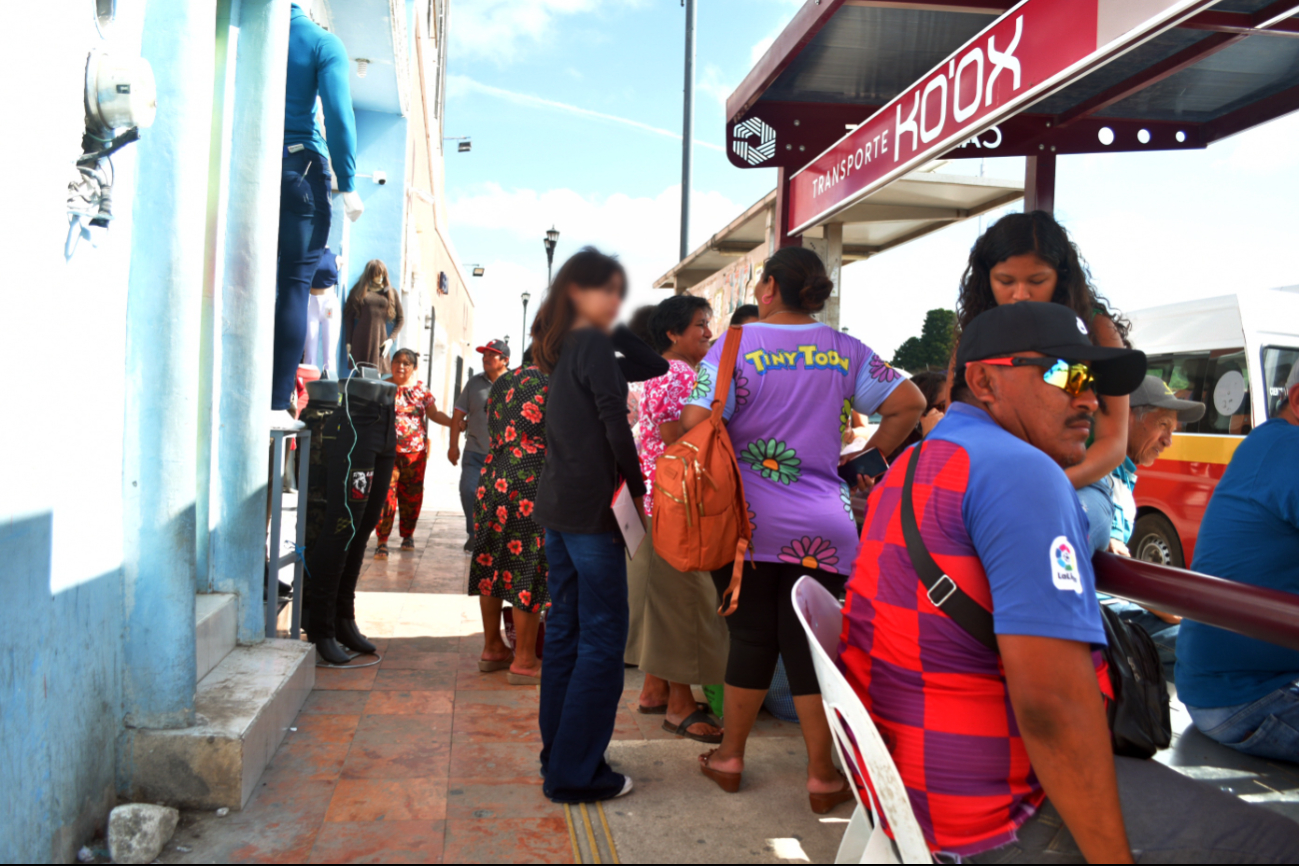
[422, 758]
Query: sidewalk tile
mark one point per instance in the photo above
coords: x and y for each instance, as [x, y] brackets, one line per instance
[379, 842]
[420, 661]
[496, 681]
[486, 716]
[403, 679]
[380, 730]
[527, 840]
[334, 703]
[397, 761]
[424, 645]
[305, 760]
[496, 763]
[388, 800]
[346, 679]
[324, 728]
[503, 801]
[420, 703]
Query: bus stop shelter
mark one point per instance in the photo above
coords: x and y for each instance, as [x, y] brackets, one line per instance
[856, 94]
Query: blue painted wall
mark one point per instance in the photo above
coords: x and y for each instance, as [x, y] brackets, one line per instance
[381, 145]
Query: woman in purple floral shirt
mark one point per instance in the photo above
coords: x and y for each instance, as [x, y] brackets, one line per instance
[793, 391]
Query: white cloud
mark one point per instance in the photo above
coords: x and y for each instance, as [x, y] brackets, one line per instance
[762, 45]
[462, 84]
[642, 231]
[500, 29]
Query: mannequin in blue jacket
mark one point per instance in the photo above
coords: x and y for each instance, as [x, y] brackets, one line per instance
[318, 67]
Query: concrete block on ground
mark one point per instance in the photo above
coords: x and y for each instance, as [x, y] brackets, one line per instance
[216, 624]
[137, 832]
[244, 707]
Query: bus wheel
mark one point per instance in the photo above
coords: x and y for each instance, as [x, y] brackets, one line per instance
[1155, 540]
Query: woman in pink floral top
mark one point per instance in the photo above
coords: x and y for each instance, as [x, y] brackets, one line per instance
[676, 637]
[415, 404]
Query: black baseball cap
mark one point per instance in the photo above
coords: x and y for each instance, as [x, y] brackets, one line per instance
[1053, 330]
[499, 347]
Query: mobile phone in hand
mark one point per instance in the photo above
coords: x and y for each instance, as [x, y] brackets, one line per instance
[870, 463]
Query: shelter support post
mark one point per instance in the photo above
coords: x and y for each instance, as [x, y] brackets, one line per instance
[247, 305]
[830, 249]
[781, 234]
[1039, 183]
[163, 312]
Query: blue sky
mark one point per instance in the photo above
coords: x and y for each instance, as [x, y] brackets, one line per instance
[574, 107]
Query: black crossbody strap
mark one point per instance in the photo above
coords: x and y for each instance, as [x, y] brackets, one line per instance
[942, 590]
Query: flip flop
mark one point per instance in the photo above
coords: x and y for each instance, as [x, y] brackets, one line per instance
[728, 782]
[695, 718]
[488, 667]
[522, 679]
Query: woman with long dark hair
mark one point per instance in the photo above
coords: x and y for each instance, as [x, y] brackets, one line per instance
[371, 306]
[1029, 257]
[589, 453]
[793, 392]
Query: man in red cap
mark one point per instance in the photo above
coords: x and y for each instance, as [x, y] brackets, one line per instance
[471, 416]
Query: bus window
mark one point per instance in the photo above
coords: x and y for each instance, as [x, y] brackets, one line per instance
[1218, 379]
[1225, 395]
[1277, 364]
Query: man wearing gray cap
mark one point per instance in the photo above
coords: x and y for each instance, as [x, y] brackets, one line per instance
[1110, 506]
[1112, 509]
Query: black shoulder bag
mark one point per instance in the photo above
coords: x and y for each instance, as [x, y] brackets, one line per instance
[1139, 718]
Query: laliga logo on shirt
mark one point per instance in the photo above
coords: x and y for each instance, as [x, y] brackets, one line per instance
[1064, 566]
[749, 129]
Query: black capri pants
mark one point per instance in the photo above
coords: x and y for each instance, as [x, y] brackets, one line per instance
[765, 626]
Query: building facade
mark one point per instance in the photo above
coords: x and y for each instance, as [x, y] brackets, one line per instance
[136, 490]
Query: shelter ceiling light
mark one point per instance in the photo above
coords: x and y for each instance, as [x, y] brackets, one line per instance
[362, 66]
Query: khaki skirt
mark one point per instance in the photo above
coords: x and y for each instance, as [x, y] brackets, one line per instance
[675, 632]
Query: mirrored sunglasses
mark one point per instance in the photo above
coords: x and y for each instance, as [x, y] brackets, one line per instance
[1072, 377]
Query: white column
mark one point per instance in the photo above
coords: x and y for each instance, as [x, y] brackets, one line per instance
[830, 249]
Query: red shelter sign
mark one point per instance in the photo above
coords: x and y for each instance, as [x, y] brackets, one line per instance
[1034, 49]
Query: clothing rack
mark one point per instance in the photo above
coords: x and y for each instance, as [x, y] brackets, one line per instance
[275, 560]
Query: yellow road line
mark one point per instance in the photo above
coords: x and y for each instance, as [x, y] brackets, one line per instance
[572, 834]
[590, 835]
[613, 850]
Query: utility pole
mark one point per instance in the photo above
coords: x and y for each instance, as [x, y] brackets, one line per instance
[688, 128]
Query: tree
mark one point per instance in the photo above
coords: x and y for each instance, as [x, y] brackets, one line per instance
[932, 350]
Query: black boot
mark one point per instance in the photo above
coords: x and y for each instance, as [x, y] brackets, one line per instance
[329, 652]
[350, 636]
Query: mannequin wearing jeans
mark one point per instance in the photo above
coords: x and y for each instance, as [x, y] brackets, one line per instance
[318, 67]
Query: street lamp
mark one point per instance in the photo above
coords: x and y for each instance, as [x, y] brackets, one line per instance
[552, 238]
[526, 297]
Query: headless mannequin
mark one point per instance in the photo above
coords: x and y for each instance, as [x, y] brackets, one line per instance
[318, 68]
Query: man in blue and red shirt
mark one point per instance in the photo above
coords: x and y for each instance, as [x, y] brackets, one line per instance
[984, 737]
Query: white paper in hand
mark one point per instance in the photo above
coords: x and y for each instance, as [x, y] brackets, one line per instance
[629, 520]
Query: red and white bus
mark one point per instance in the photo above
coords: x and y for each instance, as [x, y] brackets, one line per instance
[1233, 353]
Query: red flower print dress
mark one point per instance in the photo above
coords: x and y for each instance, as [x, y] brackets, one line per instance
[661, 403]
[509, 559]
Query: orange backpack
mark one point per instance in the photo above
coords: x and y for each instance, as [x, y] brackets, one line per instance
[701, 519]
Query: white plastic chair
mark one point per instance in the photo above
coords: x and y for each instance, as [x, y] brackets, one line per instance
[865, 840]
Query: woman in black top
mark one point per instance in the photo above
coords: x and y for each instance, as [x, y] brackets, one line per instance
[589, 454]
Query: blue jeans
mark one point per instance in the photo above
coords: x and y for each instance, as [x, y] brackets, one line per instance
[582, 678]
[1267, 728]
[471, 468]
[304, 230]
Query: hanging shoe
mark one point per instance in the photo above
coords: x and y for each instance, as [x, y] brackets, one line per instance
[350, 636]
[329, 652]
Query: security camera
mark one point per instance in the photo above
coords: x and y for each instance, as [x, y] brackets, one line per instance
[381, 177]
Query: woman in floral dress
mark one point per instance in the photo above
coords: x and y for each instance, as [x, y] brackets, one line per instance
[509, 562]
[676, 637]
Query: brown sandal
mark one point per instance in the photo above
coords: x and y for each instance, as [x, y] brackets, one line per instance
[728, 782]
[823, 803]
[381, 552]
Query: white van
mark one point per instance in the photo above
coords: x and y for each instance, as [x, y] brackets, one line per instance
[1234, 354]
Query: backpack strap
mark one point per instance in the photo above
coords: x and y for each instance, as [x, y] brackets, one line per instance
[726, 370]
[941, 589]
